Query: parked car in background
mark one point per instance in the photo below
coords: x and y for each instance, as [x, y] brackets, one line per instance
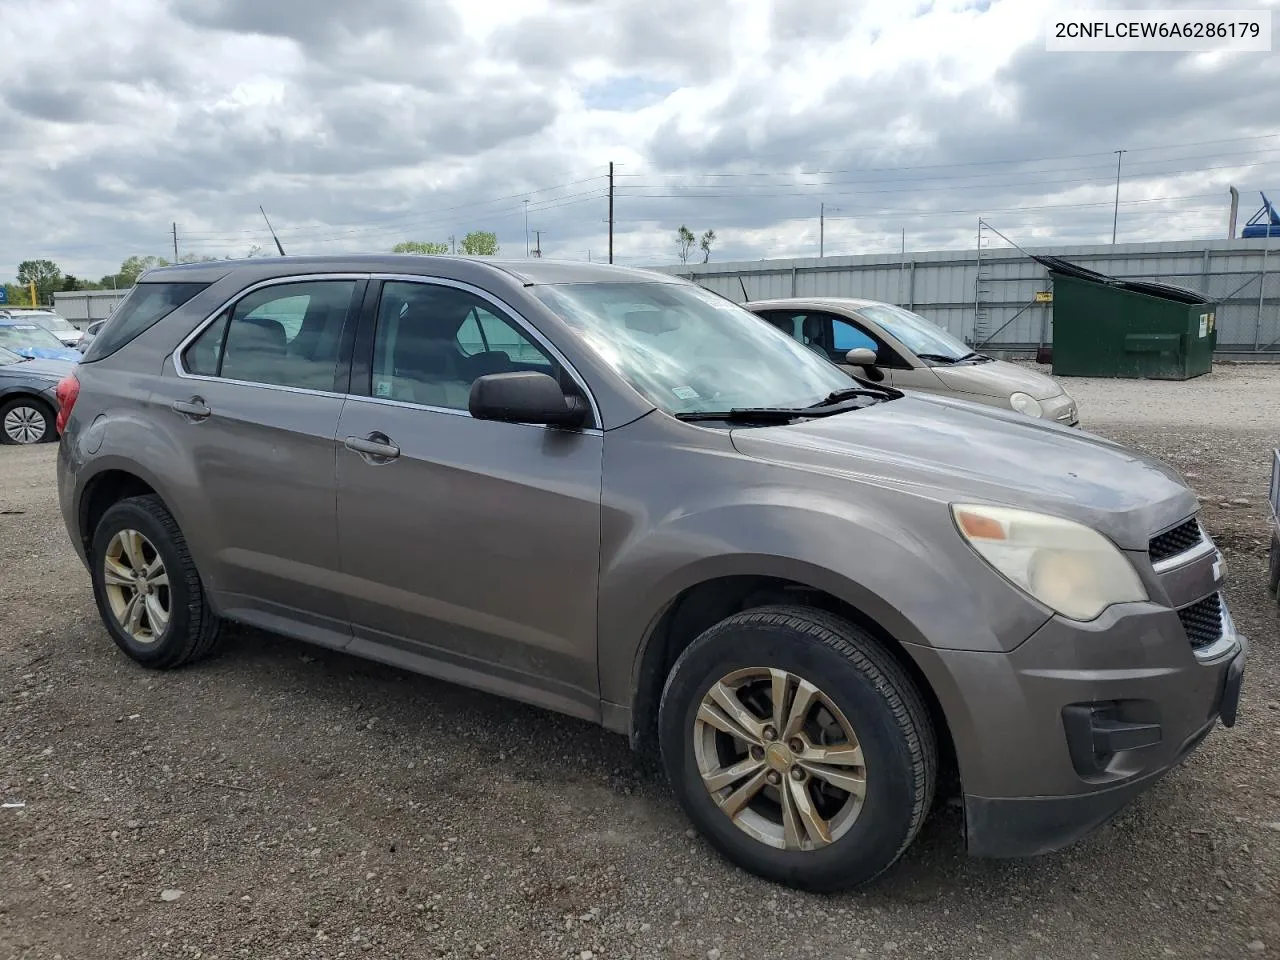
[29, 339]
[613, 493]
[28, 405]
[909, 352]
[90, 332]
[55, 323]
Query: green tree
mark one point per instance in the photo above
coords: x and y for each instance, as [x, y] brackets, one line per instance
[480, 243]
[685, 241]
[427, 247]
[16, 296]
[71, 282]
[45, 274]
[133, 268]
[708, 238]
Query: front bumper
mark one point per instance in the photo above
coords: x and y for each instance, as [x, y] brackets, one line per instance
[1060, 409]
[1028, 826]
[1055, 736]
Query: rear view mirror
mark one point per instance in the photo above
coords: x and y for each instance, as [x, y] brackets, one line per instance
[525, 397]
[861, 357]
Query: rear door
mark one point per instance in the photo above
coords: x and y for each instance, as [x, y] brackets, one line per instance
[254, 405]
[470, 548]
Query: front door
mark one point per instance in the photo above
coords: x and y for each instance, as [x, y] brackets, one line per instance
[254, 409]
[470, 548]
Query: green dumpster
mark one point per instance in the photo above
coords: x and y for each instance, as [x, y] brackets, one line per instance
[1107, 327]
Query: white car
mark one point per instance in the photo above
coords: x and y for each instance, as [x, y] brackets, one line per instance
[55, 323]
[880, 341]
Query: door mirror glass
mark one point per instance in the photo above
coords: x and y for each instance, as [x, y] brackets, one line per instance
[525, 397]
[861, 357]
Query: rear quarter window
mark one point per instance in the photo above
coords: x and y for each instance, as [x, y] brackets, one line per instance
[145, 306]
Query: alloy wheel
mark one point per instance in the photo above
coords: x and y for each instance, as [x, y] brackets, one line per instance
[25, 425]
[137, 586]
[779, 758]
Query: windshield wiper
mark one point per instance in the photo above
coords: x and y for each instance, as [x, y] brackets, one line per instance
[775, 414]
[980, 357]
[877, 393]
[939, 357]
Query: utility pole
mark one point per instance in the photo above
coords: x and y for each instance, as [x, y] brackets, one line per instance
[1115, 218]
[526, 228]
[537, 251]
[822, 227]
[175, 242]
[453, 244]
[611, 211]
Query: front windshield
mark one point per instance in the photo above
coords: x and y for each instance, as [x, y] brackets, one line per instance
[51, 321]
[27, 335]
[690, 351]
[8, 356]
[915, 332]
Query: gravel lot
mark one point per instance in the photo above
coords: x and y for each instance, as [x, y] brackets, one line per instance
[306, 804]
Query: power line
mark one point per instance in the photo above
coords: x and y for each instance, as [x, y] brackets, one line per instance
[972, 163]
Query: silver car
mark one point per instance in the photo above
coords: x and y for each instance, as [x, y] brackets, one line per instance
[902, 348]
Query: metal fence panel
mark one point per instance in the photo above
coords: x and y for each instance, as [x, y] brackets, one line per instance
[944, 286]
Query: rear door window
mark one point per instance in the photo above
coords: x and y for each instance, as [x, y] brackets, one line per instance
[145, 306]
[286, 335]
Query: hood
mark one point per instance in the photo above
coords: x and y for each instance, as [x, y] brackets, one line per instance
[53, 369]
[953, 450]
[48, 353]
[70, 338]
[997, 378]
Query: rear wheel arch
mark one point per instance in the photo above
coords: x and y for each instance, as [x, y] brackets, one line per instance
[102, 491]
[703, 604]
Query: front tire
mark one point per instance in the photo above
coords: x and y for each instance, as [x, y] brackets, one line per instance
[25, 420]
[799, 747]
[148, 591]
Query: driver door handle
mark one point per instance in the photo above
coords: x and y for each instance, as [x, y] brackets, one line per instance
[194, 409]
[375, 448]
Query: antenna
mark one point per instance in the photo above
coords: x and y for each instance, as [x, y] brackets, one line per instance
[272, 229]
[742, 283]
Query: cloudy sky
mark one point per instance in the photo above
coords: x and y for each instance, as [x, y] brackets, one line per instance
[360, 123]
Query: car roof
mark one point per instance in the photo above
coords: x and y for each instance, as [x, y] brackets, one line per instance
[529, 272]
[853, 303]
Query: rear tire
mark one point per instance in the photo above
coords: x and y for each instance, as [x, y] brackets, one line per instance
[25, 420]
[148, 591]
[850, 713]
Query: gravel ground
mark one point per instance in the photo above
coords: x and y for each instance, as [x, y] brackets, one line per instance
[284, 801]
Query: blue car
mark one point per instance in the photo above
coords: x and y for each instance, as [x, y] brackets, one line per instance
[28, 339]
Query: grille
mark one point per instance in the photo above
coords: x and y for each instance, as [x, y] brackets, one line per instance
[1173, 542]
[1202, 621]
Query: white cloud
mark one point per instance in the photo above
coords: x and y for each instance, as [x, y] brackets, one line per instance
[360, 124]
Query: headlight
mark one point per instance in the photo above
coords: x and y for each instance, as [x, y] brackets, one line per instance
[1071, 569]
[1025, 403]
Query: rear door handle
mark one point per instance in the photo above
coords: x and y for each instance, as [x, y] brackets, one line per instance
[375, 448]
[194, 409]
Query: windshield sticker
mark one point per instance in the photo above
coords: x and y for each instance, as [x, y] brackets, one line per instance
[685, 393]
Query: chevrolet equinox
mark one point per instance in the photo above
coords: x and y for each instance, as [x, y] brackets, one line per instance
[612, 493]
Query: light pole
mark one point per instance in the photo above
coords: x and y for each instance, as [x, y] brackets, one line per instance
[822, 227]
[526, 229]
[1115, 218]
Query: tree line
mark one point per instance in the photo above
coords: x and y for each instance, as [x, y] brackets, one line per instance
[49, 277]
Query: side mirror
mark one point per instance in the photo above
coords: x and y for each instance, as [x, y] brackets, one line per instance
[865, 358]
[525, 397]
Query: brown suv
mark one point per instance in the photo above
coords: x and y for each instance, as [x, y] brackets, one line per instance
[615, 494]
